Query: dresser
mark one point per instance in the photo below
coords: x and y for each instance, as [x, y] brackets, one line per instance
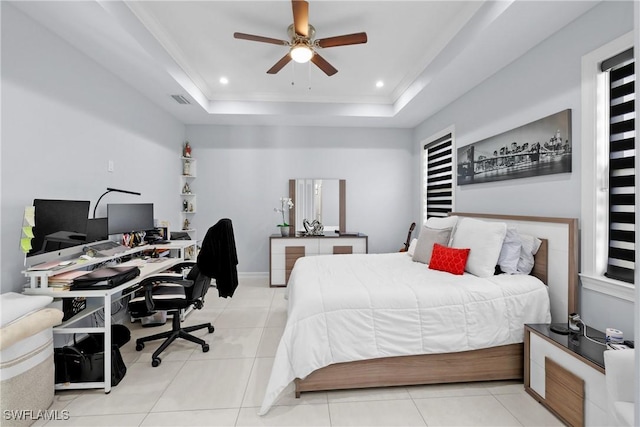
[284, 251]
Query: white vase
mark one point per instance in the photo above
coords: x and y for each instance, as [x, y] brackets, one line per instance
[284, 231]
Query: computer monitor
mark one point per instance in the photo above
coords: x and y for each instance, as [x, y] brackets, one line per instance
[59, 224]
[97, 230]
[129, 217]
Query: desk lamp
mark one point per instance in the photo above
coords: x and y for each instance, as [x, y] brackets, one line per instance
[109, 190]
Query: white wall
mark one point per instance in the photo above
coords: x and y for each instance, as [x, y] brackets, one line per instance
[63, 118]
[544, 81]
[243, 171]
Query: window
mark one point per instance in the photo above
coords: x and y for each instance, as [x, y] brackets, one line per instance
[621, 188]
[438, 180]
[608, 170]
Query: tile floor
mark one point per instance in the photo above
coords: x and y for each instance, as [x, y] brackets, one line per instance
[225, 386]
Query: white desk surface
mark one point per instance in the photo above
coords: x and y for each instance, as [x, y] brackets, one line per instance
[46, 270]
[147, 268]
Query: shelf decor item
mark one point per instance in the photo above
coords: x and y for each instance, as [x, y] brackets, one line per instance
[286, 204]
[186, 152]
[186, 167]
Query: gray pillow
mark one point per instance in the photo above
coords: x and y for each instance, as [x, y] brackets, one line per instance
[530, 246]
[429, 236]
[510, 252]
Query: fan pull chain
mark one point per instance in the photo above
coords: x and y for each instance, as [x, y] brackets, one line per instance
[309, 74]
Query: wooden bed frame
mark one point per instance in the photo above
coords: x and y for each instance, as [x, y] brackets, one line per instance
[559, 236]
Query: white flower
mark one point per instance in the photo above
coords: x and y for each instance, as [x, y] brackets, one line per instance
[285, 204]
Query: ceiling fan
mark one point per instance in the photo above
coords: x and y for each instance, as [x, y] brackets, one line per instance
[302, 44]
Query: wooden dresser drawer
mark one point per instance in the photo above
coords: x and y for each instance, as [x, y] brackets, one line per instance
[564, 393]
[291, 255]
[284, 251]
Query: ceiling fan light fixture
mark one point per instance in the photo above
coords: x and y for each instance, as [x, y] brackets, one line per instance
[302, 43]
[301, 53]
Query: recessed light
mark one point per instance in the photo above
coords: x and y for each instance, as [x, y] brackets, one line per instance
[379, 83]
[224, 80]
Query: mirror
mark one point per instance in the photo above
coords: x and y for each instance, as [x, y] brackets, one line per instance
[318, 199]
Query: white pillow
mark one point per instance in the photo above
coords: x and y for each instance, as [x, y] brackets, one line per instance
[510, 252]
[530, 246]
[15, 306]
[429, 236]
[484, 238]
[412, 247]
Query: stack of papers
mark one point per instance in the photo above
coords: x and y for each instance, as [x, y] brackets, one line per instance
[65, 280]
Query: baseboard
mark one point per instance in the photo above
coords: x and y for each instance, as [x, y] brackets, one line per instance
[254, 275]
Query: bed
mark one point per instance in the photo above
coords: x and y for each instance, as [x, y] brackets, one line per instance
[455, 329]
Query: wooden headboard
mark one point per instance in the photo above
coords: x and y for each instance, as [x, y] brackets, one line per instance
[556, 262]
[541, 262]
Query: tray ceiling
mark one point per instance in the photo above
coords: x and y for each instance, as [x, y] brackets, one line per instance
[426, 53]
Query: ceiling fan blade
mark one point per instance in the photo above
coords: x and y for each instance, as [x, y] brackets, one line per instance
[322, 63]
[280, 64]
[301, 17]
[345, 40]
[253, 38]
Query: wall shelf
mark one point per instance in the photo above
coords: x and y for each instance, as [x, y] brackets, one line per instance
[188, 196]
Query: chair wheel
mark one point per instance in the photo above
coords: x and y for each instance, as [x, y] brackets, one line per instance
[139, 346]
[211, 329]
[205, 348]
[156, 362]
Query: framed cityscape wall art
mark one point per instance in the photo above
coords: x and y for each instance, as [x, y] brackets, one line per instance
[538, 148]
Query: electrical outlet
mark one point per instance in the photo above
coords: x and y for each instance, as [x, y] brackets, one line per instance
[110, 166]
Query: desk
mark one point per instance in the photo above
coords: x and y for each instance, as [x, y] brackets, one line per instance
[102, 298]
[39, 274]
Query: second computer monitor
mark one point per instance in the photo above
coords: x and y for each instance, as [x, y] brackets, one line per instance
[129, 217]
[59, 224]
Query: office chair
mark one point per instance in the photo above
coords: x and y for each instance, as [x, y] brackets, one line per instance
[172, 293]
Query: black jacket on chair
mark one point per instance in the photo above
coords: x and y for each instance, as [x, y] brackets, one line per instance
[221, 248]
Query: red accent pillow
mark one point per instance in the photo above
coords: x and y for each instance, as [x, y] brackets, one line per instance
[451, 260]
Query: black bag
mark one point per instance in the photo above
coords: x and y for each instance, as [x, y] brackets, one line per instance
[84, 361]
[105, 278]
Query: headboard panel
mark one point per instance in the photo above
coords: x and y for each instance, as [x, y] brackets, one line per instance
[560, 241]
[541, 266]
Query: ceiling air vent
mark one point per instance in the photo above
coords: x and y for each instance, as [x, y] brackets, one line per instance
[180, 99]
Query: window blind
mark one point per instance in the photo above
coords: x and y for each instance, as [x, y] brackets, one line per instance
[438, 186]
[621, 253]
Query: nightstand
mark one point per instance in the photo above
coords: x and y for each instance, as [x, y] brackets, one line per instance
[565, 373]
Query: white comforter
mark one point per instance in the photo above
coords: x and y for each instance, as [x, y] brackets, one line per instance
[354, 307]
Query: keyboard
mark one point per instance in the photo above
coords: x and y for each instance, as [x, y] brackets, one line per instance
[108, 248]
[103, 246]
